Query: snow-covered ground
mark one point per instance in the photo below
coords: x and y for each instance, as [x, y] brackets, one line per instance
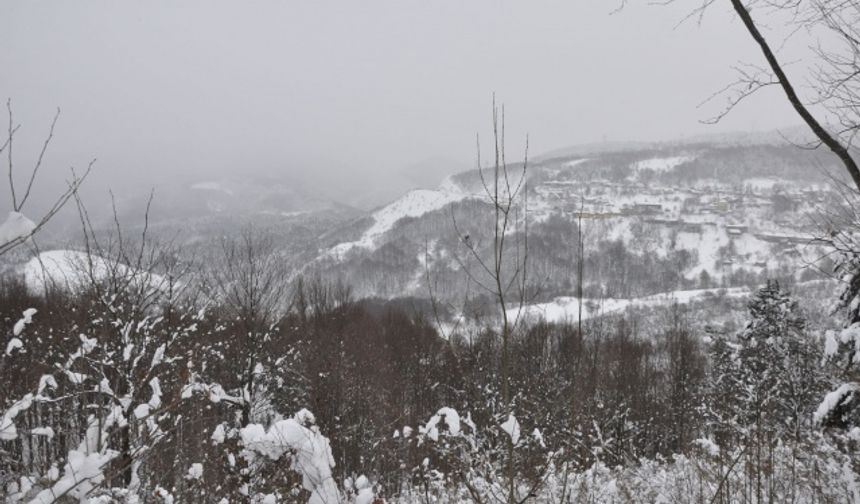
[72, 271]
[574, 163]
[15, 227]
[565, 309]
[730, 230]
[212, 186]
[661, 164]
[413, 204]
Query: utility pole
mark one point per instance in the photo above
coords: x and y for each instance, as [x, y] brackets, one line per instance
[580, 261]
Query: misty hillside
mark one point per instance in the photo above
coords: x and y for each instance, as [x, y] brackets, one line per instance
[698, 216]
[288, 252]
[660, 281]
[678, 216]
[689, 216]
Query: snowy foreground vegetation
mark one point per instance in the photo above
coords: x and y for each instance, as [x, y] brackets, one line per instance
[136, 370]
[229, 384]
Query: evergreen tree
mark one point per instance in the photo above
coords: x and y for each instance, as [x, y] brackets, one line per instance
[770, 377]
[841, 407]
[723, 391]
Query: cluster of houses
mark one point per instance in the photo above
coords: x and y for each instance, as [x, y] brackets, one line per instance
[685, 209]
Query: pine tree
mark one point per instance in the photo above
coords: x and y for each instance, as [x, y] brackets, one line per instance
[723, 391]
[764, 385]
[841, 407]
[778, 362]
[770, 376]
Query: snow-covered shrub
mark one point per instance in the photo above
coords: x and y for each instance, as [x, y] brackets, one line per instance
[104, 405]
[298, 443]
[816, 471]
[477, 464]
[841, 407]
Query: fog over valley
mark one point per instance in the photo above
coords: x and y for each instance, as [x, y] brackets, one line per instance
[376, 252]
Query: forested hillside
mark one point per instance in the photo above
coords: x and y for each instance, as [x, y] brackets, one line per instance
[666, 336]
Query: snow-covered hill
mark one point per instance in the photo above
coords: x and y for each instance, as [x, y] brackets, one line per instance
[674, 217]
[415, 203]
[682, 216]
[72, 271]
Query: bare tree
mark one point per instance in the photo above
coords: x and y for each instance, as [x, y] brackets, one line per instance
[114, 396]
[248, 281]
[833, 112]
[504, 276]
[839, 73]
[17, 228]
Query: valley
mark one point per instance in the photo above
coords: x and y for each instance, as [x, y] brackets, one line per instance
[653, 219]
[702, 216]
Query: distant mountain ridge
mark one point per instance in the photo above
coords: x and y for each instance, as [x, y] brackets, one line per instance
[796, 134]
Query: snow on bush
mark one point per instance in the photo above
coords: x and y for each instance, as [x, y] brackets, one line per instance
[816, 472]
[27, 318]
[73, 271]
[512, 428]
[446, 415]
[218, 435]
[143, 410]
[15, 343]
[359, 491]
[195, 472]
[833, 400]
[8, 431]
[365, 491]
[848, 337]
[16, 227]
[84, 468]
[308, 450]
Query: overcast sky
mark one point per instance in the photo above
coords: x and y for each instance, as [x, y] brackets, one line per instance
[356, 91]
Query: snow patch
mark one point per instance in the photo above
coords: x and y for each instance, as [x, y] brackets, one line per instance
[195, 472]
[512, 428]
[48, 432]
[446, 415]
[413, 204]
[14, 344]
[212, 186]
[661, 164]
[833, 400]
[16, 227]
[73, 271]
[566, 308]
[574, 163]
[8, 431]
[26, 319]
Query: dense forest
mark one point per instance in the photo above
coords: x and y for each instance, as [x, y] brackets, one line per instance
[165, 382]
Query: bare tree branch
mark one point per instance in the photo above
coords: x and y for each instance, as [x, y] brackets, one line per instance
[71, 190]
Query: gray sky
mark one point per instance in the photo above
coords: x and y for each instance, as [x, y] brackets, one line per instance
[355, 92]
